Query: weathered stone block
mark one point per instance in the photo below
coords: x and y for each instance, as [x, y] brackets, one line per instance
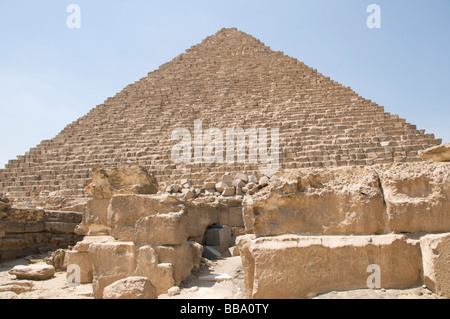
[131, 288]
[111, 261]
[82, 260]
[125, 210]
[436, 263]
[292, 266]
[318, 201]
[121, 180]
[417, 197]
[162, 229]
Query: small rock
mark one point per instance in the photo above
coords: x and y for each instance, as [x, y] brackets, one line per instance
[33, 272]
[173, 291]
[264, 181]
[131, 288]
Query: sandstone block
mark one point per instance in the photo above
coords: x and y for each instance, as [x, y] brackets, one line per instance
[291, 266]
[131, 288]
[436, 263]
[33, 272]
[162, 229]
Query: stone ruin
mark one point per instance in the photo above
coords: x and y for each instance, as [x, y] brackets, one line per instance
[357, 187]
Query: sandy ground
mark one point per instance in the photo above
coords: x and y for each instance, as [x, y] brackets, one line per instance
[222, 279]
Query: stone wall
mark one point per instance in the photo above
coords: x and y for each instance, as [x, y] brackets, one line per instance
[25, 232]
[317, 230]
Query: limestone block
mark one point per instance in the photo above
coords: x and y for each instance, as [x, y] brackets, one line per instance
[221, 186]
[201, 215]
[436, 263]
[238, 183]
[82, 260]
[218, 237]
[253, 179]
[95, 218]
[209, 185]
[417, 197]
[111, 261]
[292, 266]
[125, 210]
[331, 201]
[121, 180]
[182, 257]
[235, 217]
[263, 181]
[23, 221]
[241, 176]
[161, 275]
[131, 288]
[162, 229]
[440, 153]
[33, 272]
[228, 191]
[227, 179]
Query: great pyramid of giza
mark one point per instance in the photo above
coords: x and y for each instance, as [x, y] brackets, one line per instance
[229, 80]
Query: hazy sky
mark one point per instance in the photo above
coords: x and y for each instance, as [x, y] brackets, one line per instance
[50, 75]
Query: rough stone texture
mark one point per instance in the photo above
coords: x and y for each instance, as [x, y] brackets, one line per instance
[436, 263]
[162, 229]
[111, 261]
[160, 274]
[440, 153]
[417, 197]
[317, 201]
[33, 272]
[125, 210]
[121, 180]
[32, 231]
[321, 123]
[95, 218]
[291, 266]
[131, 288]
[409, 197]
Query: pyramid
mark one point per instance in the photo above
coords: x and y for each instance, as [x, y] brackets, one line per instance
[229, 80]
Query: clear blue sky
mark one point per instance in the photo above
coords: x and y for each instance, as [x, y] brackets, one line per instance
[51, 75]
